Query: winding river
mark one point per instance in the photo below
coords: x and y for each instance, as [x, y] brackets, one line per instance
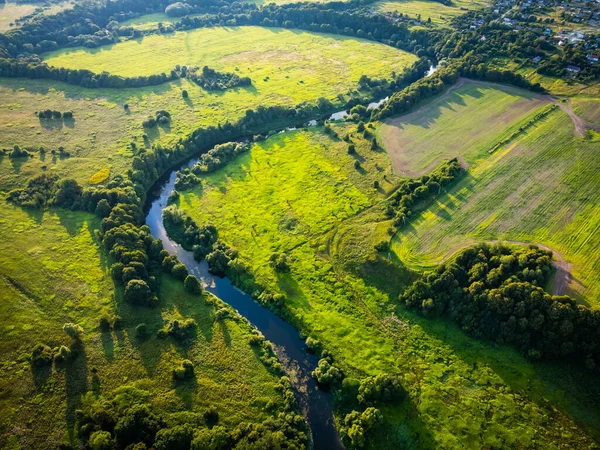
[315, 405]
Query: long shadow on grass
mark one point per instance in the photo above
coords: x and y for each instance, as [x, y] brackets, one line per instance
[76, 376]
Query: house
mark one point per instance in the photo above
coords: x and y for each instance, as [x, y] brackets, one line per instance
[573, 69]
[592, 58]
[537, 59]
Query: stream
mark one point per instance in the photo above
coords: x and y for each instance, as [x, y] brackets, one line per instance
[315, 405]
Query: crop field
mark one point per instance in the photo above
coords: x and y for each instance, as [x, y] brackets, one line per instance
[588, 109]
[296, 193]
[299, 66]
[539, 188]
[466, 121]
[57, 274]
[439, 13]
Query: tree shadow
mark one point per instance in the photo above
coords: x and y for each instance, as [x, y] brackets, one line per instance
[225, 332]
[76, 377]
[108, 346]
[51, 124]
[185, 390]
[40, 375]
[17, 163]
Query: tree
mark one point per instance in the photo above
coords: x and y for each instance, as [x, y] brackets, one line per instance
[179, 271]
[192, 285]
[184, 94]
[279, 262]
[103, 208]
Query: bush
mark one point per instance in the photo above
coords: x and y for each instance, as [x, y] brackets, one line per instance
[101, 440]
[313, 345]
[279, 262]
[64, 354]
[326, 373]
[192, 285]
[184, 94]
[180, 329]
[185, 371]
[73, 330]
[380, 389]
[41, 355]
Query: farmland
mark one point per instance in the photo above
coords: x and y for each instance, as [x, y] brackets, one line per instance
[486, 113]
[12, 11]
[439, 13]
[310, 202]
[518, 193]
[58, 274]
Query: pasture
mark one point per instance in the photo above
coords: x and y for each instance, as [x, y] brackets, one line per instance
[57, 274]
[539, 187]
[439, 13]
[299, 193]
[294, 67]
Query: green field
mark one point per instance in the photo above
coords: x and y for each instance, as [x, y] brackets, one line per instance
[298, 61]
[439, 13]
[300, 66]
[11, 11]
[299, 193]
[540, 188]
[466, 121]
[57, 274]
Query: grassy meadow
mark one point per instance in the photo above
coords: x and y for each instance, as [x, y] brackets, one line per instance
[466, 121]
[57, 274]
[292, 67]
[300, 193]
[11, 11]
[439, 13]
[539, 187]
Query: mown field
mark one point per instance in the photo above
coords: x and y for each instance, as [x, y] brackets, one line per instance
[11, 11]
[540, 187]
[299, 66]
[56, 274]
[439, 13]
[466, 121]
[300, 193]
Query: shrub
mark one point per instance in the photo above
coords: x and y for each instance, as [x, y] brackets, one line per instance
[313, 345]
[351, 149]
[180, 329]
[326, 373]
[185, 371]
[73, 330]
[192, 285]
[64, 354]
[41, 355]
[176, 438]
[184, 94]
[279, 262]
[101, 440]
[380, 389]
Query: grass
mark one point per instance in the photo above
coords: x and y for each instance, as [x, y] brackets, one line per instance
[540, 187]
[299, 193]
[151, 21]
[300, 66]
[439, 13]
[11, 11]
[467, 121]
[588, 109]
[56, 273]
[314, 58]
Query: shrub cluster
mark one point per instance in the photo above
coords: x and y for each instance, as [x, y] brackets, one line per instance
[210, 79]
[411, 192]
[219, 156]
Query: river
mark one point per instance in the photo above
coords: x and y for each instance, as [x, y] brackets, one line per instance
[315, 405]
